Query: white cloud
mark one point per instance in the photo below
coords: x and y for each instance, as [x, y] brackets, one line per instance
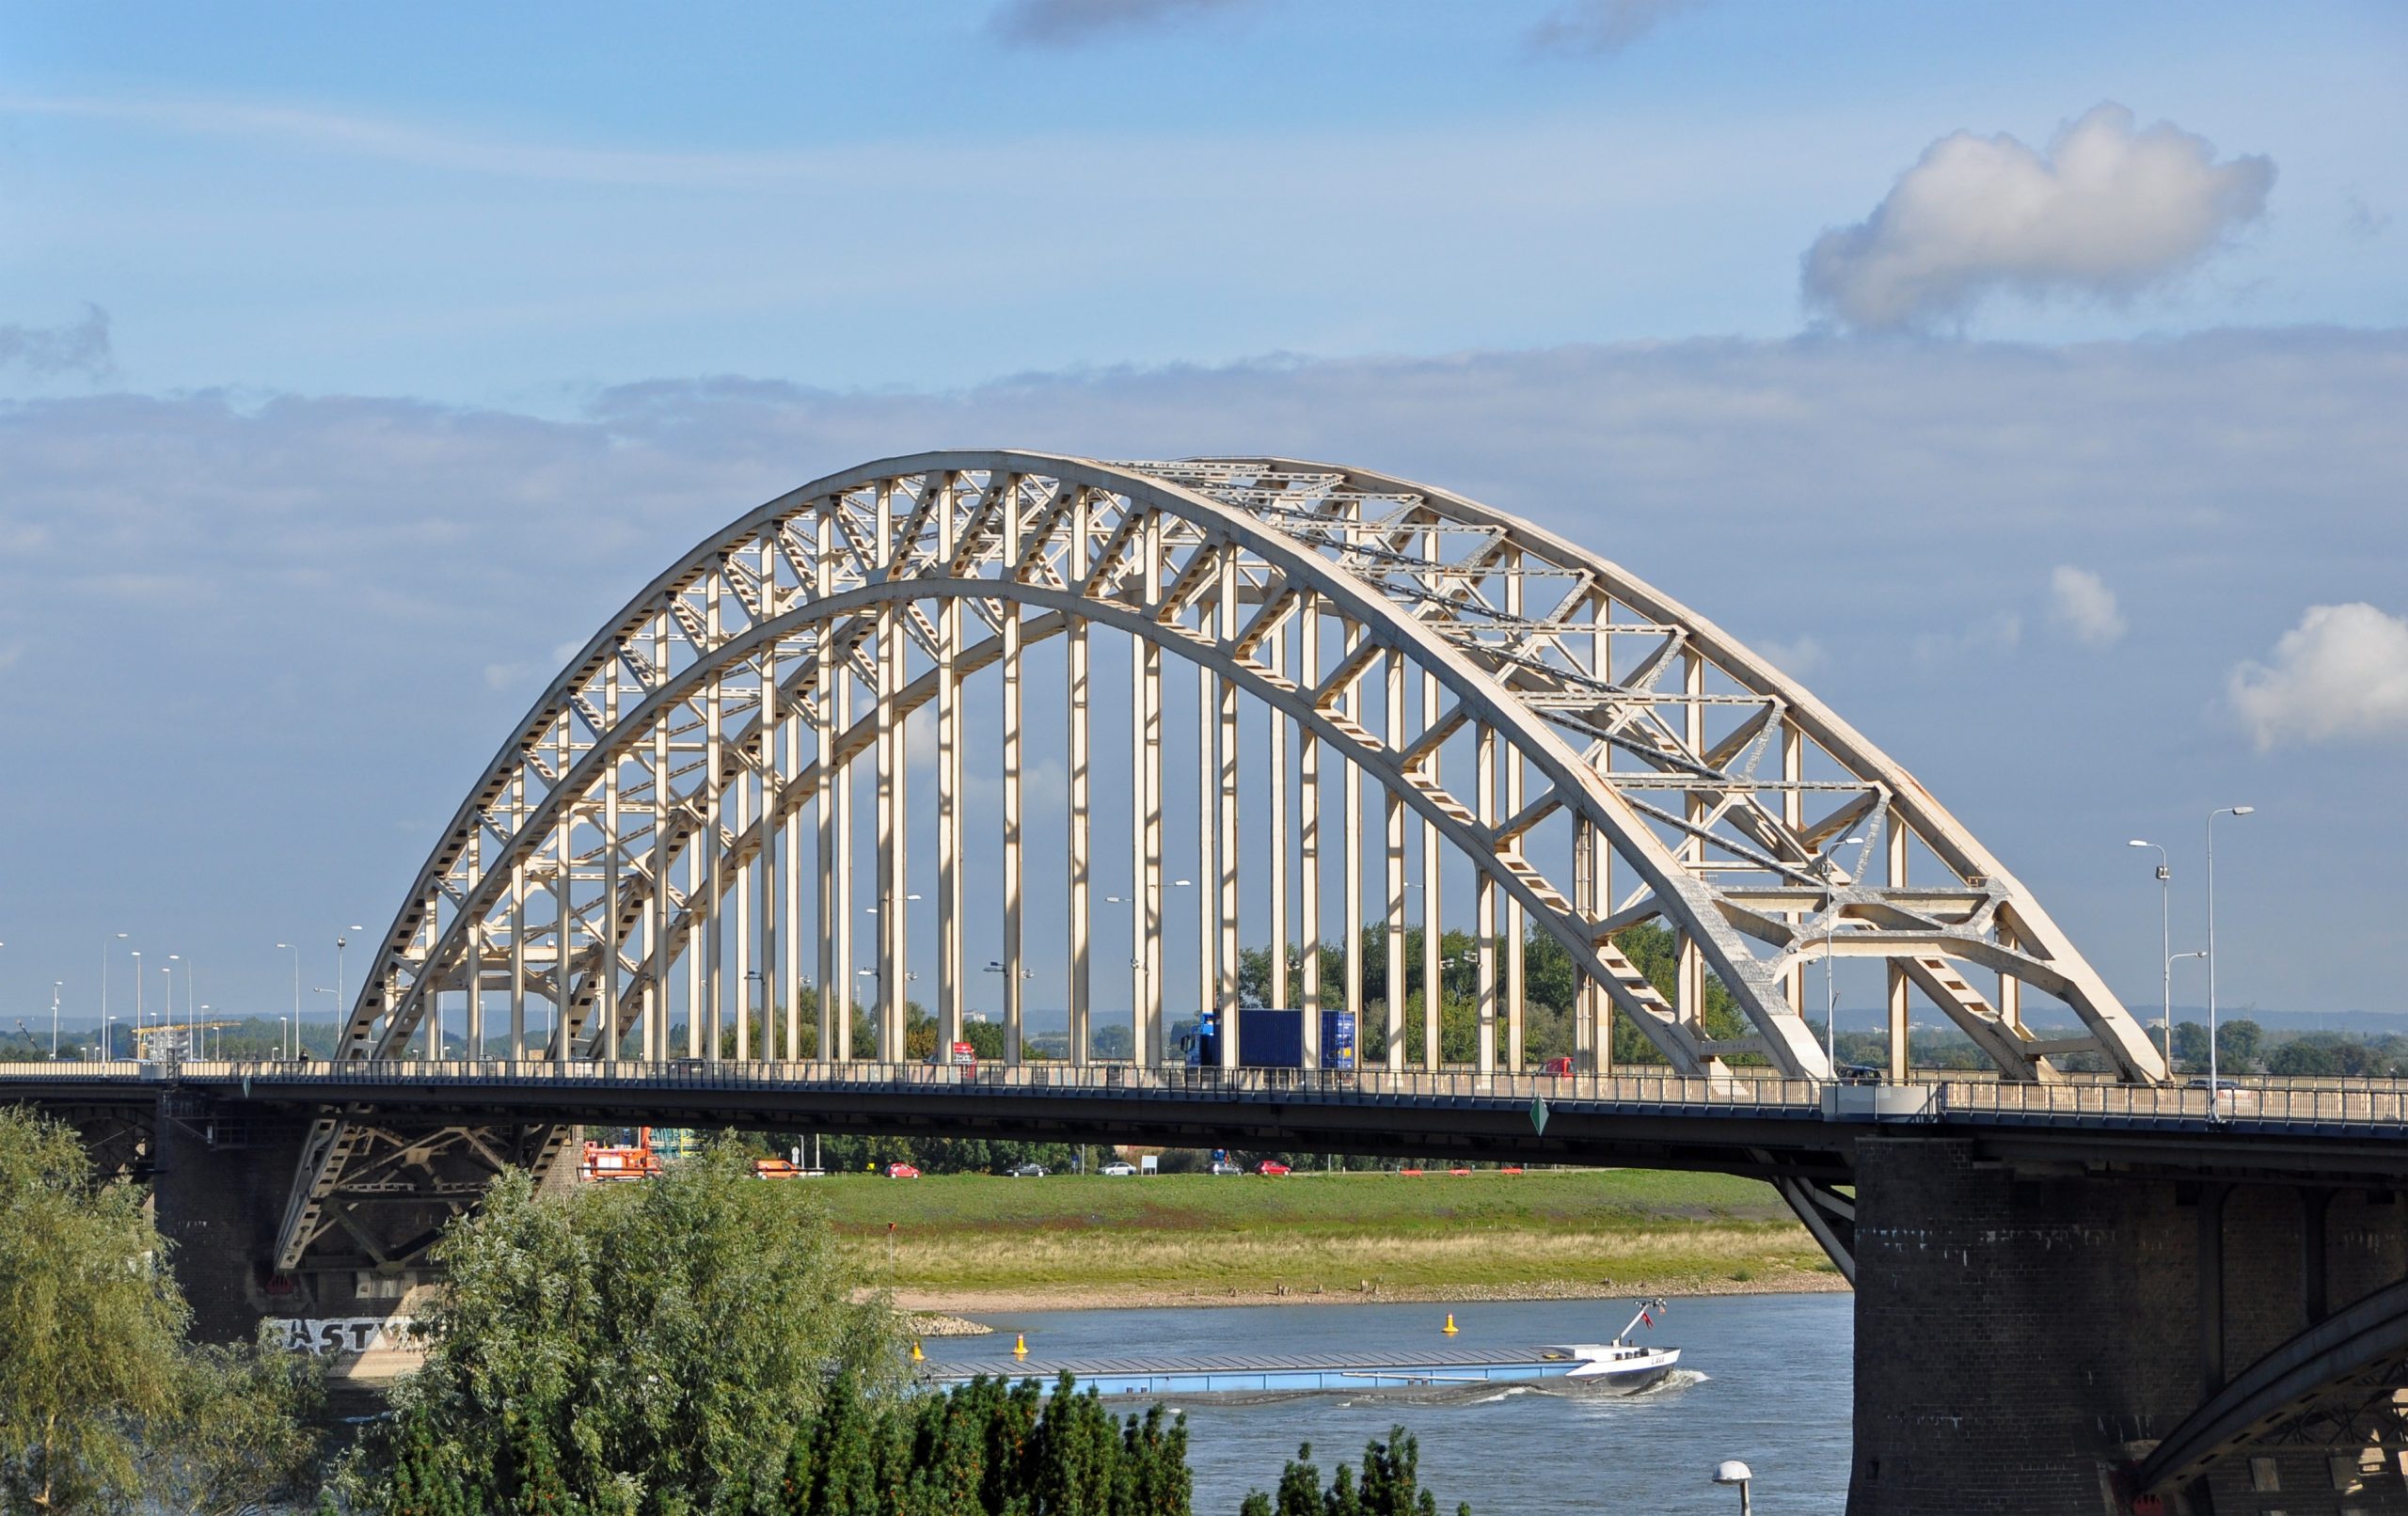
[1994, 635]
[1603, 27]
[2082, 604]
[2108, 211]
[2342, 673]
[1057, 22]
[1796, 657]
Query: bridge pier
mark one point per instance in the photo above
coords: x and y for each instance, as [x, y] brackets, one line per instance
[217, 1203]
[222, 1172]
[2023, 1335]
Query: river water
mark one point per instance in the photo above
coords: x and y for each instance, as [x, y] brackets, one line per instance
[1763, 1377]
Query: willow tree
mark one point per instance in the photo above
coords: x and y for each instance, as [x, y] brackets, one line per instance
[91, 1325]
[629, 1346]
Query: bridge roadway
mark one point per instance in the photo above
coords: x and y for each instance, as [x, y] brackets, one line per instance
[2264, 1129]
[2053, 1280]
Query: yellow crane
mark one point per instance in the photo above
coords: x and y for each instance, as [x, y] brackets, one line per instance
[171, 1039]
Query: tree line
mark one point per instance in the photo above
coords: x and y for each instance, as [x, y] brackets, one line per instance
[671, 1348]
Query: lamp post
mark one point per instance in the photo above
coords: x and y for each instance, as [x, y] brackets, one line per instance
[2171, 960]
[296, 951]
[2165, 934]
[104, 975]
[56, 986]
[1731, 1471]
[1830, 986]
[2215, 1094]
[108, 1037]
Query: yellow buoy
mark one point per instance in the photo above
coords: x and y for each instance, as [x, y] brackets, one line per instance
[1020, 1345]
[1450, 1327]
[916, 1354]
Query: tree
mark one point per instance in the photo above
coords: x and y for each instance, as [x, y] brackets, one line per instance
[239, 1437]
[2237, 1045]
[2305, 1056]
[91, 1325]
[1390, 1485]
[653, 1344]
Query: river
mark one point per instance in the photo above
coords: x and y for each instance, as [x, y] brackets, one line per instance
[1764, 1378]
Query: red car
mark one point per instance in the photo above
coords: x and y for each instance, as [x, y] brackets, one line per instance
[1558, 1067]
[901, 1171]
[1271, 1166]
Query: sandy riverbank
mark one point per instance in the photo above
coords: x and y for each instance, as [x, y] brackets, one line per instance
[975, 1303]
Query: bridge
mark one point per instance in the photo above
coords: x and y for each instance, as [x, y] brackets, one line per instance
[1374, 748]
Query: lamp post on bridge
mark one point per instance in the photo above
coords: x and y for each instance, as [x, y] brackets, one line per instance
[56, 986]
[2165, 934]
[283, 1043]
[2171, 960]
[2215, 1092]
[1831, 984]
[890, 1017]
[104, 976]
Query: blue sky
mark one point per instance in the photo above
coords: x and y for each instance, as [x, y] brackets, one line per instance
[352, 363]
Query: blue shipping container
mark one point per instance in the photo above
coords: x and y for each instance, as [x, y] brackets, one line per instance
[1275, 1038]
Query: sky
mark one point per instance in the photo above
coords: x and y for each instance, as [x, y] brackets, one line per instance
[2026, 378]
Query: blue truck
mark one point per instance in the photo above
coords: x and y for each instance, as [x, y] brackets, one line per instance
[1273, 1037]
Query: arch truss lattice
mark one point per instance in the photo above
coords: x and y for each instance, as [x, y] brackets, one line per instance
[660, 862]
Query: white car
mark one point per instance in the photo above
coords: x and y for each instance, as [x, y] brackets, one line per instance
[1117, 1171]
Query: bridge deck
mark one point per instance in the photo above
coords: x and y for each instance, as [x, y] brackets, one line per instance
[2299, 1106]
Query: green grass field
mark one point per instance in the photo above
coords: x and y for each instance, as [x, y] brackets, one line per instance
[1311, 1233]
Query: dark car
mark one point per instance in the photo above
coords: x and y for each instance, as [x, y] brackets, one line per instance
[1025, 1171]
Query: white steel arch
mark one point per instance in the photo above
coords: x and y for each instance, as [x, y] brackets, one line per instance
[649, 835]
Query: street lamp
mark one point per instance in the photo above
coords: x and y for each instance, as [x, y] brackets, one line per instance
[2165, 934]
[296, 951]
[108, 1037]
[1731, 1471]
[1830, 990]
[56, 986]
[2215, 1096]
[104, 975]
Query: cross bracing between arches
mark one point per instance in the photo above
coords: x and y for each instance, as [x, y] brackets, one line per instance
[1442, 701]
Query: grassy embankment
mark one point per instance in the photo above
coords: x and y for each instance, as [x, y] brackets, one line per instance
[969, 1240]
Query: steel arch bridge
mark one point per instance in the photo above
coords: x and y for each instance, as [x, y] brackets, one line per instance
[670, 836]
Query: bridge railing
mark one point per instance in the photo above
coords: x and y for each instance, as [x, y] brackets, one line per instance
[1769, 1094]
[2270, 1100]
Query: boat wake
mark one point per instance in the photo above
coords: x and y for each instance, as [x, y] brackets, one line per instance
[1672, 1384]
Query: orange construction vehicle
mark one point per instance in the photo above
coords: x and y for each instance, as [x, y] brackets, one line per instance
[604, 1162]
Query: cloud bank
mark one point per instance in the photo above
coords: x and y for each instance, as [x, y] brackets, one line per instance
[2084, 607]
[1603, 27]
[2106, 211]
[291, 607]
[2341, 674]
[51, 352]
